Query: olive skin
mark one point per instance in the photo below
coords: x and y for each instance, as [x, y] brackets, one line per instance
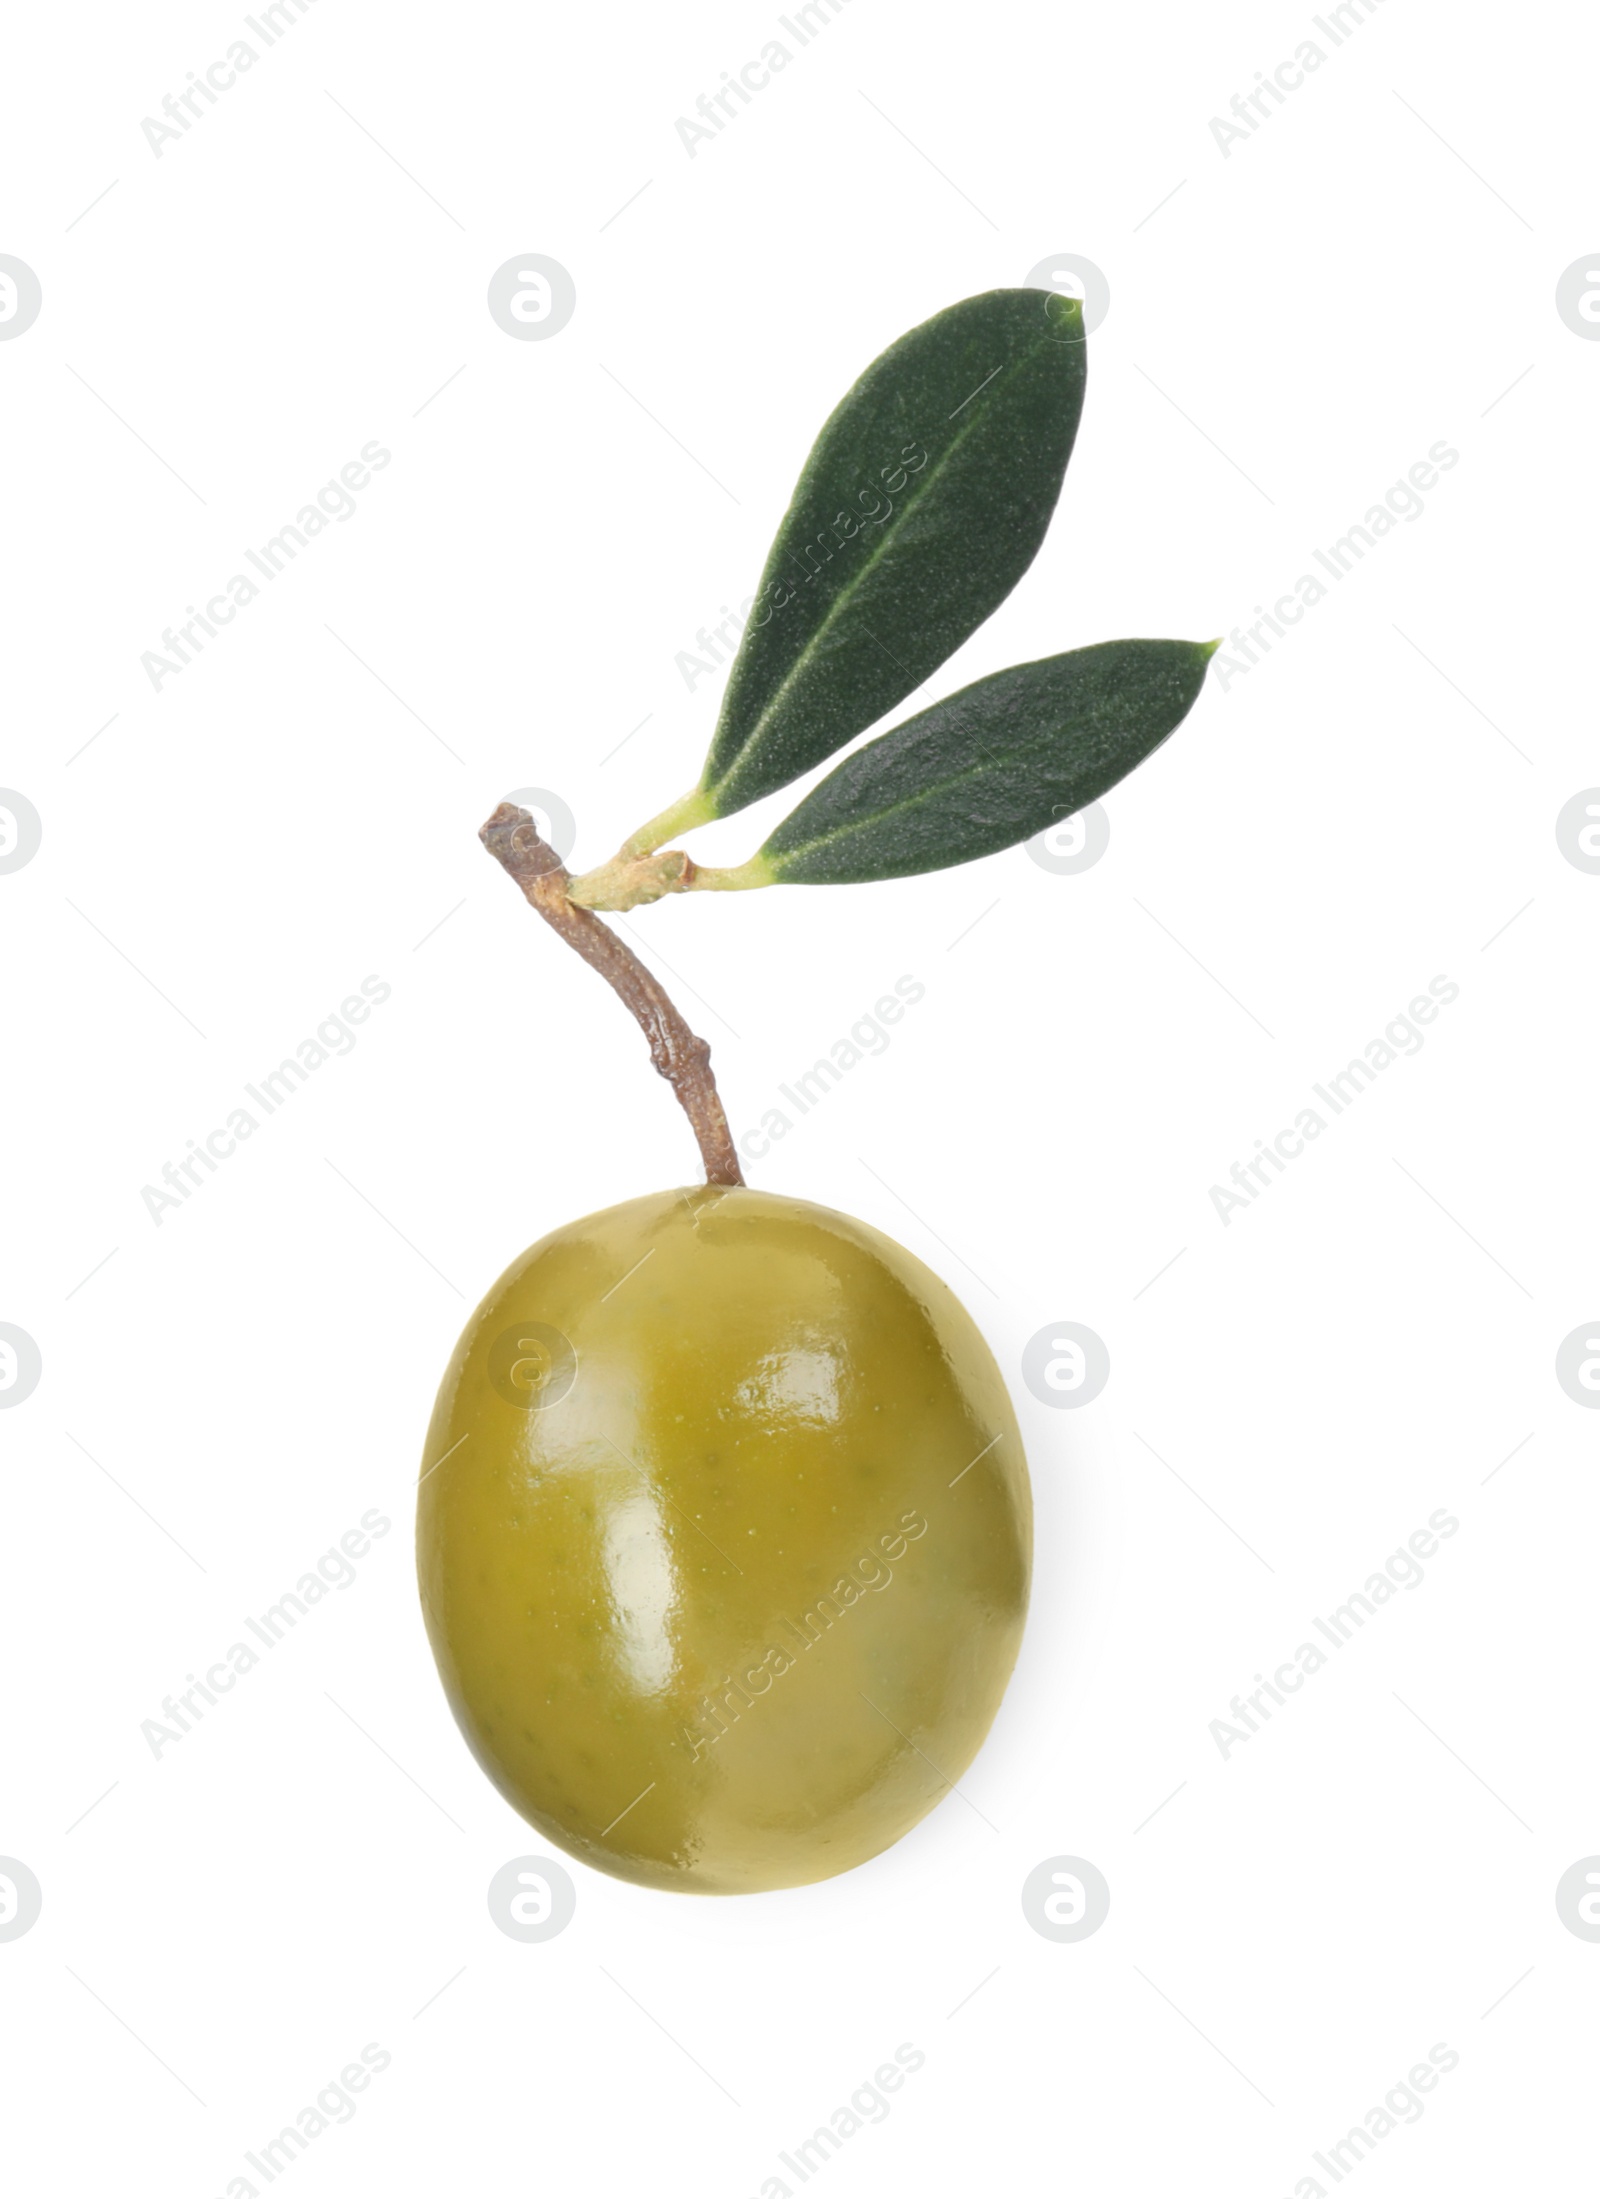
[724, 1537]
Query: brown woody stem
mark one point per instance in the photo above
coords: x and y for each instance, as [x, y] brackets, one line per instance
[513, 840]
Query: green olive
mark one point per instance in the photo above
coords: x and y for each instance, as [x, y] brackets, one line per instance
[723, 1535]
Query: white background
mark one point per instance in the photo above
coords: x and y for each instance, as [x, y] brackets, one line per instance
[1369, 273]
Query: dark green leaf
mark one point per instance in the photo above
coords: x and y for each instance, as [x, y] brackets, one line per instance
[990, 766]
[921, 506]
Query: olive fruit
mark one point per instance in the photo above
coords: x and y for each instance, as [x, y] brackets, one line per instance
[723, 1536]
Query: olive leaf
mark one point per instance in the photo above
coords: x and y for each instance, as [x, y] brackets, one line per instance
[995, 764]
[920, 507]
